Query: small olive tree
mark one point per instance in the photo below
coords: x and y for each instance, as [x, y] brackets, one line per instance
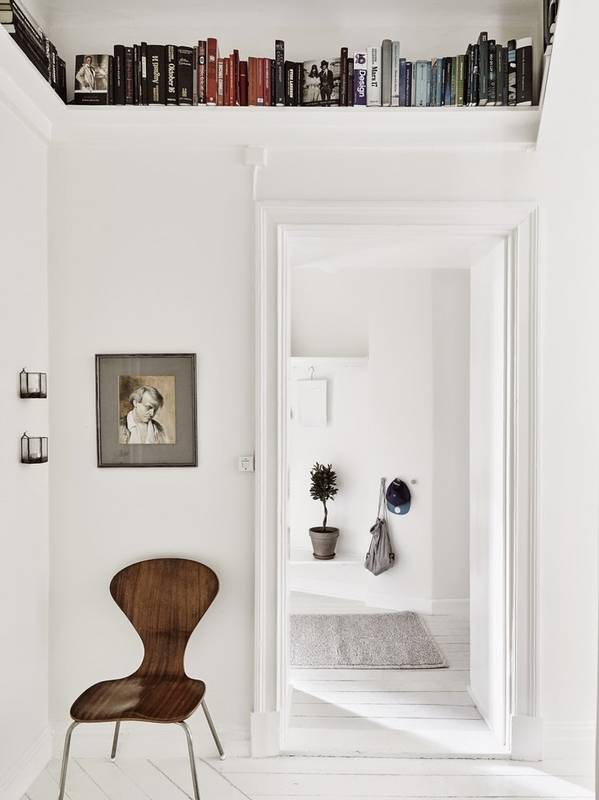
[323, 486]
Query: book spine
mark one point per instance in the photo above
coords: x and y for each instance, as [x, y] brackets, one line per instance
[243, 83]
[460, 80]
[273, 78]
[446, 99]
[386, 77]
[171, 75]
[201, 74]
[475, 74]
[420, 84]
[119, 74]
[144, 73]
[409, 82]
[259, 81]
[220, 82]
[524, 72]
[511, 73]
[62, 80]
[483, 68]
[402, 82]
[350, 81]
[266, 74]
[251, 81]
[156, 70]
[492, 83]
[395, 74]
[227, 82]
[211, 69]
[299, 79]
[504, 91]
[373, 89]
[343, 89]
[184, 76]
[289, 83]
[137, 75]
[129, 77]
[280, 72]
[454, 81]
[500, 75]
[360, 77]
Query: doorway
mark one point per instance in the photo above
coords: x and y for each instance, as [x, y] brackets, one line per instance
[482, 719]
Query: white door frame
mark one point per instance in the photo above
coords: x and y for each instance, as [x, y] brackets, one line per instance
[518, 224]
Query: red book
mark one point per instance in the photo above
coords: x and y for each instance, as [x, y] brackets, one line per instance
[255, 70]
[226, 81]
[243, 83]
[220, 82]
[201, 73]
[263, 81]
[211, 68]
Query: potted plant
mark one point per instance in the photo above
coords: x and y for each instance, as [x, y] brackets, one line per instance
[323, 487]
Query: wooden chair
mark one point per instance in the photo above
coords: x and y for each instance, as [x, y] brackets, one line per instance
[164, 599]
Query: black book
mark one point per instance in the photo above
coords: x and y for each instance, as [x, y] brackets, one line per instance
[467, 57]
[129, 76]
[93, 79]
[483, 68]
[119, 74]
[511, 72]
[62, 80]
[273, 70]
[299, 74]
[54, 68]
[499, 61]
[446, 87]
[136, 75]
[350, 82]
[156, 74]
[143, 54]
[289, 83]
[279, 84]
[492, 82]
[171, 75]
[39, 62]
[504, 87]
[185, 76]
[475, 74]
[524, 72]
[343, 78]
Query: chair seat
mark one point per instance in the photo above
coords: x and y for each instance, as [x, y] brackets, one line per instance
[138, 697]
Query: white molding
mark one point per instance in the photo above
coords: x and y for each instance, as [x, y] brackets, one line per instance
[265, 734]
[526, 738]
[565, 740]
[276, 223]
[22, 773]
[457, 608]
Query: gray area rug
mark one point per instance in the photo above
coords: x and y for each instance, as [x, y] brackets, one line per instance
[372, 641]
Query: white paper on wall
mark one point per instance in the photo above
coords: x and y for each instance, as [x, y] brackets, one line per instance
[312, 403]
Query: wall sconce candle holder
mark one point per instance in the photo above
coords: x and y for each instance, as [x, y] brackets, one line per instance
[33, 384]
[34, 449]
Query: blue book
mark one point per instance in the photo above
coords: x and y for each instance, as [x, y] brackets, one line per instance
[409, 70]
[402, 82]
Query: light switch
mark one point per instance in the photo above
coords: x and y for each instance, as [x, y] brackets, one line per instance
[246, 463]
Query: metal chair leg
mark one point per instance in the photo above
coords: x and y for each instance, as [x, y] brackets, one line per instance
[115, 740]
[65, 759]
[192, 763]
[219, 746]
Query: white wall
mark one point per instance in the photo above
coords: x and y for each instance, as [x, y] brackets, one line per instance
[403, 414]
[24, 733]
[140, 264]
[487, 489]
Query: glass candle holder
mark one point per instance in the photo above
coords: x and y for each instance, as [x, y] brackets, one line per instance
[33, 384]
[34, 449]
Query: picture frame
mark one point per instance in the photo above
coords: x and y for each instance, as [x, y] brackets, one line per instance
[146, 414]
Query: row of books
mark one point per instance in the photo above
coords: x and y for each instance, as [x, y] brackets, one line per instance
[488, 73]
[550, 8]
[32, 40]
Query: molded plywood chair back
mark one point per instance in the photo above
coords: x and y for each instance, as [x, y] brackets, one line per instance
[164, 599]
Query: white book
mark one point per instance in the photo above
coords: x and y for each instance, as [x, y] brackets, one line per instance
[395, 75]
[373, 92]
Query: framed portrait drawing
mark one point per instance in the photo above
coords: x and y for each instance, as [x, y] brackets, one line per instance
[146, 410]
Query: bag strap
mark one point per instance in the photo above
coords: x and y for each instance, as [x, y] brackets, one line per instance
[381, 497]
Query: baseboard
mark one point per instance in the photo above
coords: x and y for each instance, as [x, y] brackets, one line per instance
[265, 729]
[19, 777]
[457, 608]
[151, 740]
[569, 740]
[527, 738]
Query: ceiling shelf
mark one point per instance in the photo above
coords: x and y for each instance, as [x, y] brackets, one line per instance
[487, 128]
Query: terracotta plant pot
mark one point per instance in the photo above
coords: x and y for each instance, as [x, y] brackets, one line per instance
[323, 542]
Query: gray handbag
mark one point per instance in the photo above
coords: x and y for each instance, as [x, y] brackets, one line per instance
[380, 556]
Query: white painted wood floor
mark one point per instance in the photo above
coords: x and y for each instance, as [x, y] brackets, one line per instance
[389, 699]
[316, 778]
